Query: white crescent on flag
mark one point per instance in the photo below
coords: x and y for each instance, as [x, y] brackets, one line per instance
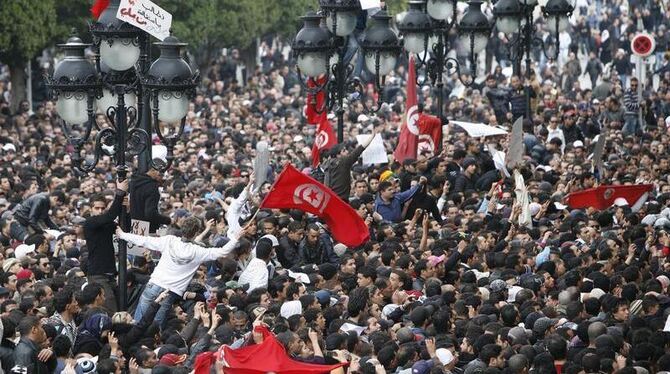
[412, 119]
[312, 195]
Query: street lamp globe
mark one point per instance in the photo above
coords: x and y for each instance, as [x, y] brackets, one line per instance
[557, 13]
[341, 15]
[508, 13]
[474, 29]
[109, 98]
[441, 9]
[119, 44]
[380, 45]
[171, 80]
[74, 83]
[311, 47]
[415, 27]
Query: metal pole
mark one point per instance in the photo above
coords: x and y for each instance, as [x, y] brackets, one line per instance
[528, 39]
[29, 87]
[121, 173]
[439, 58]
[339, 84]
[144, 109]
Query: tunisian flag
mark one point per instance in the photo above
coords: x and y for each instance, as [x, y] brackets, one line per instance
[315, 107]
[409, 132]
[323, 140]
[603, 197]
[267, 357]
[430, 133]
[294, 190]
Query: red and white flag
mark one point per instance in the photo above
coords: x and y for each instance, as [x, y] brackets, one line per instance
[323, 139]
[409, 132]
[430, 134]
[315, 107]
[603, 197]
[294, 190]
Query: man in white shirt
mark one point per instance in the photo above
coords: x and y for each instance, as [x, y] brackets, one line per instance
[257, 273]
[180, 259]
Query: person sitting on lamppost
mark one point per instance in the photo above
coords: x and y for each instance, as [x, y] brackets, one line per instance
[144, 198]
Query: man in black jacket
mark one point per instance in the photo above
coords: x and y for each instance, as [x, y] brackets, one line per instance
[289, 245]
[98, 231]
[33, 213]
[28, 352]
[338, 167]
[144, 198]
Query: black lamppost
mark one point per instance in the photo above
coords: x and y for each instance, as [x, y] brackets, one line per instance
[516, 18]
[426, 28]
[320, 48]
[112, 85]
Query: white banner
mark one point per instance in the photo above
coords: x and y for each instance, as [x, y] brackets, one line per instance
[375, 153]
[147, 16]
[137, 227]
[477, 130]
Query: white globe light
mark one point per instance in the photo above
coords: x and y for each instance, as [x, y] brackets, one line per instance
[508, 25]
[109, 100]
[73, 109]
[313, 64]
[563, 24]
[387, 62]
[479, 43]
[121, 55]
[346, 23]
[172, 106]
[414, 42]
[440, 9]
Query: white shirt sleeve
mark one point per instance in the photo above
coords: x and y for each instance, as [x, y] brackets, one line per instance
[214, 253]
[154, 243]
[234, 213]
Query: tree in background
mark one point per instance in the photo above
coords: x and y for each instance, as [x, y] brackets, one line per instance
[29, 26]
[210, 25]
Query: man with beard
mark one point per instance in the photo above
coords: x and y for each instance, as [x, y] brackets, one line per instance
[144, 198]
[98, 232]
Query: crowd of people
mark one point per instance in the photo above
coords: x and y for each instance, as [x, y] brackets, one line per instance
[451, 280]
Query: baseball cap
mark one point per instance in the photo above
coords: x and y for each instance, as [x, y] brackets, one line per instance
[543, 324]
[422, 367]
[8, 263]
[273, 239]
[444, 355]
[23, 250]
[24, 274]
[9, 147]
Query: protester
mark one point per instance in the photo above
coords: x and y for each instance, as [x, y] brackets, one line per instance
[448, 262]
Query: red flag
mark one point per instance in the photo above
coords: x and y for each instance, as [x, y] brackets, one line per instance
[294, 190]
[323, 139]
[245, 360]
[430, 133]
[315, 107]
[409, 132]
[603, 197]
[98, 7]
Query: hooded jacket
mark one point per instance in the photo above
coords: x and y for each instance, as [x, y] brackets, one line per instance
[144, 198]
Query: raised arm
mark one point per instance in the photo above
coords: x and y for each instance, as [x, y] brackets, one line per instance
[149, 242]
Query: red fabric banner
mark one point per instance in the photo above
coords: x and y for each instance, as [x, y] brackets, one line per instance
[294, 190]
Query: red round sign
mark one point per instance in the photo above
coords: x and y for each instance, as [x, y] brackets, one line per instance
[642, 45]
